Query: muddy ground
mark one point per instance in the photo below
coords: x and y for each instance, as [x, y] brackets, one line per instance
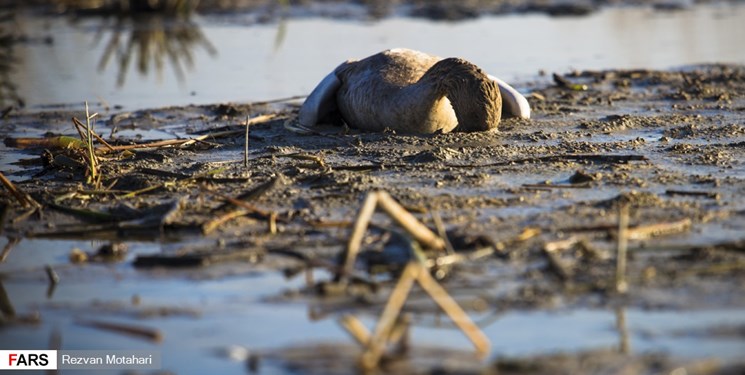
[533, 208]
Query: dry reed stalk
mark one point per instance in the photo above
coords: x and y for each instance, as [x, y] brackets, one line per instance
[213, 224]
[410, 223]
[356, 329]
[24, 199]
[400, 333]
[260, 119]
[562, 245]
[392, 327]
[453, 310]
[242, 204]
[302, 156]
[272, 222]
[94, 178]
[245, 150]
[659, 229]
[358, 232]
[6, 306]
[623, 226]
[12, 241]
[440, 226]
[557, 265]
[79, 125]
[376, 344]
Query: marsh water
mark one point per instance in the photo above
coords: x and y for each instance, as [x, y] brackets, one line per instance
[209, 323]
[214, 59]
[209, 316]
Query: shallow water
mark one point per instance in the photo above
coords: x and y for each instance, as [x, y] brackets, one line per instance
[223, 59]
[200, 318]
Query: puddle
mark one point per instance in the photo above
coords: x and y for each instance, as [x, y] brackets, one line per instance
[220, 59]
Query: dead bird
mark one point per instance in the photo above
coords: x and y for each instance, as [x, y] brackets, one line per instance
[409, 91]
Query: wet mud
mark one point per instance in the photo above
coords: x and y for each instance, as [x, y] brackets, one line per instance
[543, 197]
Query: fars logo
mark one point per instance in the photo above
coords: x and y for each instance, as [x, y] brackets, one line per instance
[28, 359]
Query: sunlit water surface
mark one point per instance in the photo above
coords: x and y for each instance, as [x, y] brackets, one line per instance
[218, 59]
[203, 317]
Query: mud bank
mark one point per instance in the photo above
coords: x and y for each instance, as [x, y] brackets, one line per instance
[543, 196]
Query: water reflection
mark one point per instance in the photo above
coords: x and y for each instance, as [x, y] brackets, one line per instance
[150, 40]
[8, 38]
[146, 32]
[260, 61]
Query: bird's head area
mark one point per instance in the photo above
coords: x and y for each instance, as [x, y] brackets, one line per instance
[475, 98]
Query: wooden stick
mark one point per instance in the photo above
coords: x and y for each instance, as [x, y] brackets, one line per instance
[452, 309]
[410, 223]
